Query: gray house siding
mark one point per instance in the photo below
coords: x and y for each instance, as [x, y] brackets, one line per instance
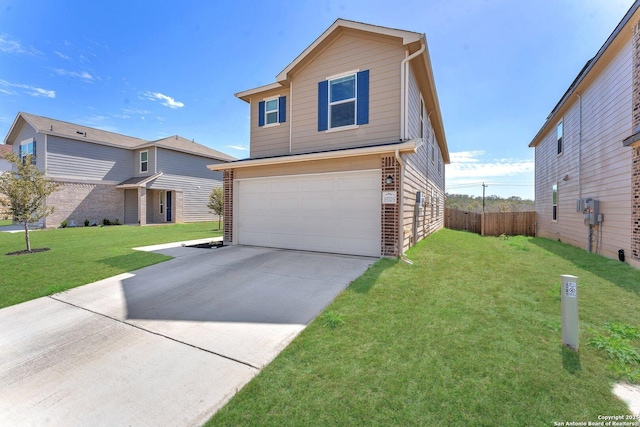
[75, 159]
[151, 159]
[27, 132]
[189, 173]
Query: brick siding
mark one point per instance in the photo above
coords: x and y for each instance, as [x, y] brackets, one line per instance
[228, 205]
[78, 202]
[635, 160]
[390, 213]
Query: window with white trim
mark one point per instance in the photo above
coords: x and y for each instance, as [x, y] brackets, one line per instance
[161, 202]
[342, 101]
[144, 161]
[271, 111]
[554, 202]
[421, 117]
[560, 136]
[28, 148]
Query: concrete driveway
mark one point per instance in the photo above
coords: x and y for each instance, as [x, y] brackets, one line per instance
[165, 345]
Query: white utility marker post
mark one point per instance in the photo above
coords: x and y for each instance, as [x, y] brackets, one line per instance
[570, 311]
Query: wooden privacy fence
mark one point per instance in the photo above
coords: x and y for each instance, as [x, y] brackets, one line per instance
[492, 223]
[463, 220]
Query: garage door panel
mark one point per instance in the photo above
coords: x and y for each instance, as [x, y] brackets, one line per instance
[283, 186]
[330, 213]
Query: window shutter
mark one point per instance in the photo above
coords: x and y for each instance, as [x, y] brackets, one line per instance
[323, 105]
[261, 113]
[363, 98]
[282, 109]
[33, 158]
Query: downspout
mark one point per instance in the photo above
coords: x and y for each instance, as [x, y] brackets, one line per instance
[401, 211]
[580, 149]
[290, 114]
[403, 90]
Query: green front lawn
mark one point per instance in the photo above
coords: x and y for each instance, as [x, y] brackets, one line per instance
[467, 336]
[4, 222]
[83, 255]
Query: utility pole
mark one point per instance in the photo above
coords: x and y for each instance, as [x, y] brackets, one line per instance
[483, 187]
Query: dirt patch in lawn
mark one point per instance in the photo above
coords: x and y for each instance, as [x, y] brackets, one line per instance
[26, 252]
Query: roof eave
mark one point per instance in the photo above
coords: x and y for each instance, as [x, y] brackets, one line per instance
[405, 147]
[576, 84]
[245, 95]
[406, 36]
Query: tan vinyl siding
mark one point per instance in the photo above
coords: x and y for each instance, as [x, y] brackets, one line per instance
[350, 51]
[421, 174]
[318, 166]
[413, 104]
[606, 164]
[272, 140]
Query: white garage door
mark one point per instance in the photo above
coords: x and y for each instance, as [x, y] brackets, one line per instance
[332, 212]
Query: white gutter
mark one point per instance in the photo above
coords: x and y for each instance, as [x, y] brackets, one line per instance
[407, 146]
[579, 148]
[290, 114]
[403, 89]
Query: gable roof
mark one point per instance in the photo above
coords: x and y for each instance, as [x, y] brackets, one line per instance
[283, 78]
[48, 126]
[179, 143]
[412, 40]
[592, 68]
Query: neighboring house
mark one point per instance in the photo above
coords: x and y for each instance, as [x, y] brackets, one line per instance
[112, 176]
[347, 149]
[587, 153]
[4, 164]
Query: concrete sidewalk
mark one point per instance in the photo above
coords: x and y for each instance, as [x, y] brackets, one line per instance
[165, 345]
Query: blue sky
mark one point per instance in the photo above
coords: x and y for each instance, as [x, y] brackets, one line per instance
[155, 69]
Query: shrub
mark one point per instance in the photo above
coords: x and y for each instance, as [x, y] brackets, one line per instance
[106, 221]
[86, 222]
[64, 223]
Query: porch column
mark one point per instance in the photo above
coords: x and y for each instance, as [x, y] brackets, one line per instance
[142, 205]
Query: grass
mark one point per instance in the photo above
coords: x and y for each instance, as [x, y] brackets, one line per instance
[4, 222]
[467, 335]
[82, 255]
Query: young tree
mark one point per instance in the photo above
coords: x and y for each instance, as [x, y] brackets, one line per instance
[216, 202]
[25, 188]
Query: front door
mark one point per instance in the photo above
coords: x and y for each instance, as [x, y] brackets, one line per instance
[169, 206]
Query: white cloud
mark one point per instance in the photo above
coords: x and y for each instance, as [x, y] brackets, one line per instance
[61, 55]
[83, 75]
[237, 147]
[30, 90]
[8, 45]
[167, 100]
[473, 165]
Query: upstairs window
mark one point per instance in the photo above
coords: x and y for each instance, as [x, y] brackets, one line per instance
[554, 202]
[560, 135]
[343, 101]
[272, 111]
[421, 117]
[144, 161]
[27, 148]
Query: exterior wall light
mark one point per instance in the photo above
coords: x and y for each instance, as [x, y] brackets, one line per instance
[389, 180]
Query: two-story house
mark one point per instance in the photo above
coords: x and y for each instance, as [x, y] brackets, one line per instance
[587, 152]
[106, 175]
[347, 149]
